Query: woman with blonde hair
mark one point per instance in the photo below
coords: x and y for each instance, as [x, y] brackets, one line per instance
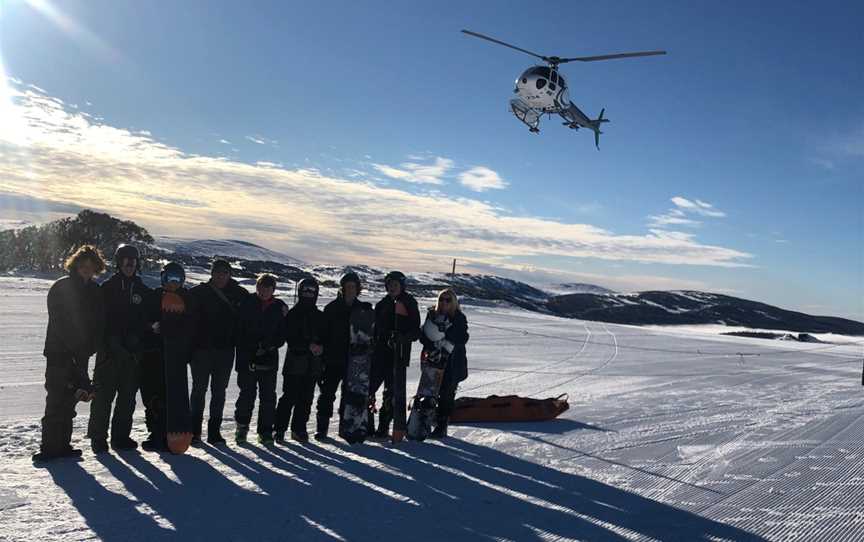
[449, 318]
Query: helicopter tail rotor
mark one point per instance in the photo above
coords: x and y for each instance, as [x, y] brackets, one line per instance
[595, 125]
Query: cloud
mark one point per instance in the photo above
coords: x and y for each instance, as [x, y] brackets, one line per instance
[258, 140]
[681, 214]
[416, 172]
[480, 179]
[225, 142]
[54, 153]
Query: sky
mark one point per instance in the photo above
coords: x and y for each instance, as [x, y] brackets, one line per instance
[377, 133]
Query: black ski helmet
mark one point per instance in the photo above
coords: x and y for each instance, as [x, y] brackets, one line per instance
[125, 251]
[173, 272]
[307, 290]
[395, 275]
[350, 276]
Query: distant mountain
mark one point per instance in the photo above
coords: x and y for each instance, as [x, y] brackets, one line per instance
[578, 288]
[227, 248]
[43, 248]
[690, 307]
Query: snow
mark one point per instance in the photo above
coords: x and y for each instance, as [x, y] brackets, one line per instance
[670, 436]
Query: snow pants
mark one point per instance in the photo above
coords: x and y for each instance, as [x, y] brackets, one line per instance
[298, 391]
[327, 386]
[252, 384]
[393, 404]
[60, 384]
[152, 380]
[210, 367]
[116, 380]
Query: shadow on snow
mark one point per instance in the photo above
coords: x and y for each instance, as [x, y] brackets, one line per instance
[451, 491]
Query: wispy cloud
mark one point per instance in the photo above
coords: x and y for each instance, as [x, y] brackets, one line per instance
[480, 179]
[260, 140]
[70, 157]
[225, 142]
[684, 212]
[418, 172]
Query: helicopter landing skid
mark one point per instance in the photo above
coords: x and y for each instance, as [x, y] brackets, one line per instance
[527, 114]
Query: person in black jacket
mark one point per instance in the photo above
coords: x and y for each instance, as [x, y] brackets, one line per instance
[261, 333]
[337, 316]
[219, 304]
[76, 322]
[397, 325]
[116, 371]
[173, 314]
[447, 315]
[304, 327]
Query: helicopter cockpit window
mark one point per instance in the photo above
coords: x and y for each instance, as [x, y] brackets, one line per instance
[540, 71]
[554, 77]
[540, 83]
[562, 82]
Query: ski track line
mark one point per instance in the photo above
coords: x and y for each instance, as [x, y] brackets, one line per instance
[542, 367]
[588, 372]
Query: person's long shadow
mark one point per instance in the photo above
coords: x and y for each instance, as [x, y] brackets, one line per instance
[455, 490]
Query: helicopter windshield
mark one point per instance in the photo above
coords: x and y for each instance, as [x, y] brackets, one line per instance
[539, 71]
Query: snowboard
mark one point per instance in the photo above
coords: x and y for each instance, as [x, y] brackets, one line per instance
[354, 411]
[178, 416]
[433, 362]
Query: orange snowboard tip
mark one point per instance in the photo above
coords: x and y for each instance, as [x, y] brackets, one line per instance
[178, 443]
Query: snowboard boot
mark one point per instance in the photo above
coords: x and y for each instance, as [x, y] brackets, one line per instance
[279, 437]
[154, 443]
[440, 430]
[99, 445]
[214, 433]
[69, 451]
[196, 440]
[215, 438]
[265, 440]
[321, 429]
[241, 433]
[300, 436]
[398, 436]
[124, 443]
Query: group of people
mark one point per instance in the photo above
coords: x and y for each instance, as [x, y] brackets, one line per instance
[144, 339]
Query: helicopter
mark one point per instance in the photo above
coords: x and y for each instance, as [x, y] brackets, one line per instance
[541, 90]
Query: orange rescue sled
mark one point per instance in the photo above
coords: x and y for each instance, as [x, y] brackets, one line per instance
[508, 408]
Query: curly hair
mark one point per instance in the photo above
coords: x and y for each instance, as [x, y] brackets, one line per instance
[85, 252]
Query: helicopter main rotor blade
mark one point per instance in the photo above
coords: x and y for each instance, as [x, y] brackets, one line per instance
[610, 57]
[499, 42]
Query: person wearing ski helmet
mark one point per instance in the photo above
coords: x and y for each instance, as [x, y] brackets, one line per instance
[337, 318]
[219, 304]
[127, 336]
[173, 315]
[446, 315]
[304, 328]
[260, 335]
[397, 325]
[76, 321]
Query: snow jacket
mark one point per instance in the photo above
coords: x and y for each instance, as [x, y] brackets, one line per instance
[127, 326]
[337, 329]
[219, 317]
[76, 318]
[396, 330]
[260, 334]
[304, 325]
[457, 334]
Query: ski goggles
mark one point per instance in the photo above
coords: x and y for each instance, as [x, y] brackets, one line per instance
[308, 291]
[172, 276]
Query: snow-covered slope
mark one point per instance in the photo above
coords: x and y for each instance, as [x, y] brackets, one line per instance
[671, 435]
[223, 247]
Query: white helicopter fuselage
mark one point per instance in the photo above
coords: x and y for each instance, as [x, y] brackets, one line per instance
[543, 89]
